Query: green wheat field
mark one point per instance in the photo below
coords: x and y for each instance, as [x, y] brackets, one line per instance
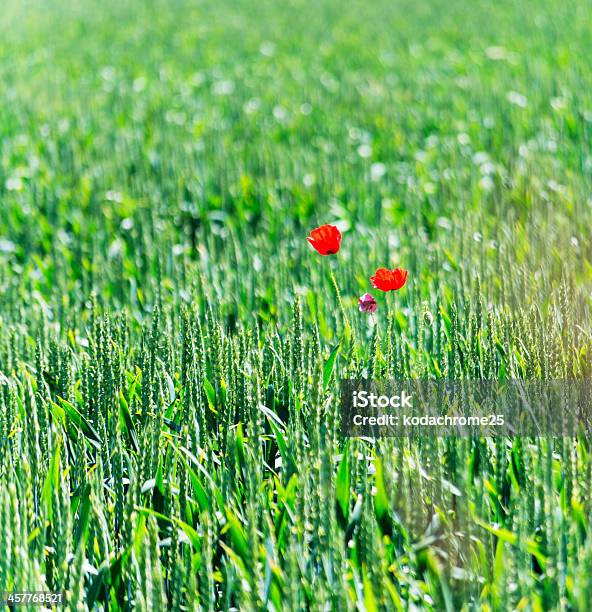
[171, 347]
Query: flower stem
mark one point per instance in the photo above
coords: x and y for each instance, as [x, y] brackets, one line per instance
[348, 328]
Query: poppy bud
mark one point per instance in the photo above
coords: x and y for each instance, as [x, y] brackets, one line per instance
[367, 303]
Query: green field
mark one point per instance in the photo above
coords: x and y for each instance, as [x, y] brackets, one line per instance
[171, 346]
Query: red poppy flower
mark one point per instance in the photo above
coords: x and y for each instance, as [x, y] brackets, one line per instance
[325, 239]
[389, 280]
